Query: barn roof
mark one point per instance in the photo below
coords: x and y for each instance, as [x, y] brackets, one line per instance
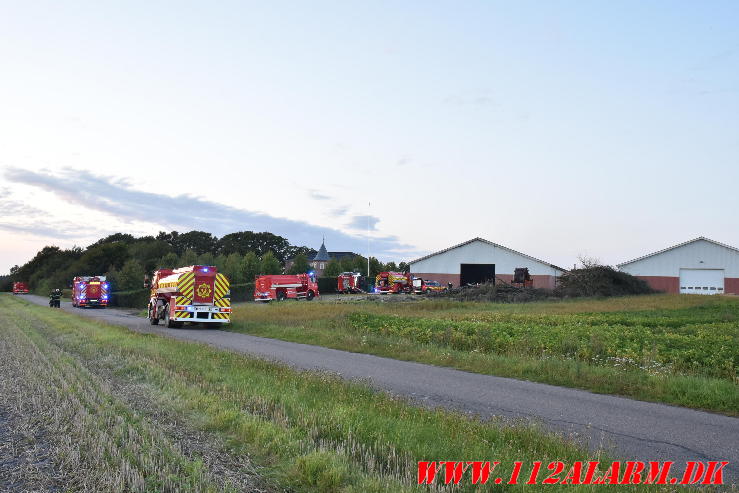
[489, 243]
[678, 246]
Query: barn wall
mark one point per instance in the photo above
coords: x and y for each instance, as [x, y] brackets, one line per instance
[731, 285]
[668, 284]
[479, 252]
[442, 278]
[700, 254]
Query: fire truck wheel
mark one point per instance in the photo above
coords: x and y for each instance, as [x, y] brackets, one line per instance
[169, 323]
[310, 295]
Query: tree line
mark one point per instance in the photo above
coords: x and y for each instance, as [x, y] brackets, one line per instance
[126, 259]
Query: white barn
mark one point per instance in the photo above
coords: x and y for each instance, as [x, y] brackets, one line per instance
[478, 260]
[699, 266]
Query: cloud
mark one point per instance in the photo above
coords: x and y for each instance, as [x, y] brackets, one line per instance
[315, 194]
[403, 161]
[339, 211]
[361, 222]
[118, 198]
[470, 100]
[19, 217]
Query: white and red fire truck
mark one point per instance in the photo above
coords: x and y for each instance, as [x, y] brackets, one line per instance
[197, 294]
[393, 282]
[20, 288]
[349, 282]
[90, 291]
[285, 286]
[426, 286]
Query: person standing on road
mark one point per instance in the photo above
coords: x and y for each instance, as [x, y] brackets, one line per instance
[55, 298]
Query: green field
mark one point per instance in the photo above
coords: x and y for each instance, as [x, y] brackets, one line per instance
[676, 349]
[122, 411]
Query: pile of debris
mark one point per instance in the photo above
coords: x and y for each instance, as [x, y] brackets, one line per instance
[499, 291]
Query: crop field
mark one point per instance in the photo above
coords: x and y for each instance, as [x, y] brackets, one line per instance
[95, 407]
[676, 349]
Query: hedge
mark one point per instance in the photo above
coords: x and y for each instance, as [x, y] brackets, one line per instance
[135, 298]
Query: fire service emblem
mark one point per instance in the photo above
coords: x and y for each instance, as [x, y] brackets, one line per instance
[204, 290]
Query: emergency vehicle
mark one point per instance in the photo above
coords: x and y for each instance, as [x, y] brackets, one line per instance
[349, 282]
[425, 286]
[197, 294]
[20, 288]
[285, 286]
[89, 291]
[393, 282]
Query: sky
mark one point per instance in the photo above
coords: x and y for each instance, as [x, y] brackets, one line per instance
[559, 129]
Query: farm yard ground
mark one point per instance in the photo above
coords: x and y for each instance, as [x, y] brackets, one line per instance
[677, 349]
[103, 408]
[623, 427]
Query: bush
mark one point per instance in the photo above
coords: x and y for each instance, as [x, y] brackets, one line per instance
[135, 298]
[600, 280]
[326, 285]
[242, 292]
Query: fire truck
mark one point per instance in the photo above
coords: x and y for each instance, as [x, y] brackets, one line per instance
[285, 286]
[426, 286]
[197, 294]
[349, 282]
[90, 291]
[20, 288]
[393, 282]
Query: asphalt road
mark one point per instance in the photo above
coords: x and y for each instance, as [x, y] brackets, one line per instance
[626, 428]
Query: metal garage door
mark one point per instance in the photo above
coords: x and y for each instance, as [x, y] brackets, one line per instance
[702, 281]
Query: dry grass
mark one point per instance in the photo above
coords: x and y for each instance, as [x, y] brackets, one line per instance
[94, 441]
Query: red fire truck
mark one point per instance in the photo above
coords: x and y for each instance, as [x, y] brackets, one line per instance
[426, 286]
[393, 282]
[349, 282]
[197, 294]
[284, 286]
[89, 291]
[20, 288]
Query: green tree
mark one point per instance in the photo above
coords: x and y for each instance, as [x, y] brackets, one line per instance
[333, 268]
[391, 267]
[347, 264]
[131, 276]
[375, 268]
[113, 277]
[300, 264]
[250, 266]
[206, 258]
[148, 251]
[404, 267]
[198, 241]
[232, 268]
[188, 258]
[359, 264]
[269, 264]
[169, 261]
